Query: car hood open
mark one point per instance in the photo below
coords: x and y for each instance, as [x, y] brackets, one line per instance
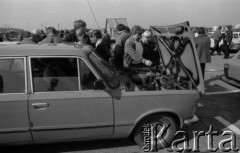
[178, 52]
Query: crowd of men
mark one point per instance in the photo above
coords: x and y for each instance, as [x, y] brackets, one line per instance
[133, 47]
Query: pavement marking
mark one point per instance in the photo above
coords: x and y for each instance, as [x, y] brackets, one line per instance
[232, 127]
[222, 92]
[213, 70]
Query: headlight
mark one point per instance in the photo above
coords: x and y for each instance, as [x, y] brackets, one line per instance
[226, 67]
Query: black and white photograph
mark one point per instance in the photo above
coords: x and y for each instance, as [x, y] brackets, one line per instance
[119, 76]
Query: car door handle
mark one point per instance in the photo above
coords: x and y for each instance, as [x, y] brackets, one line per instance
[40, 105]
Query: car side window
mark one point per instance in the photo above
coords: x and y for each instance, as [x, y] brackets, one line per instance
[12, 75]
[54, 74]
[87, 77]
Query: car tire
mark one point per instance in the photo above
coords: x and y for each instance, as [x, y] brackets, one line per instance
[167, 136]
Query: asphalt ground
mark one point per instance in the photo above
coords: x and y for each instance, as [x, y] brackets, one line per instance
[218, 108]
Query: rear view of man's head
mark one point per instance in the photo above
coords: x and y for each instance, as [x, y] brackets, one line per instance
[201, 30]
[80, 27]
[120, 27]
[51, 30]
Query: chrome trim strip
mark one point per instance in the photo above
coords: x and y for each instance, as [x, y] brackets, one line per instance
[26, 82]
[52, 92]
[30, 75]
[79, 81]
[124, 124]
[13, 94]
[15, 130]
[71, 127]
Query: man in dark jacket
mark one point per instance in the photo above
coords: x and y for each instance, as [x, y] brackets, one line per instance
[227, 39]
[79, 36]
[106, 38]
[150, 51]
[32, 38]
[101, 48]
[119, 45]
[203, 48]
[51, 37]
[217, 36]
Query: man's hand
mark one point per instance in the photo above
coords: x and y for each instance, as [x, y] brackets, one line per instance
[148, 62]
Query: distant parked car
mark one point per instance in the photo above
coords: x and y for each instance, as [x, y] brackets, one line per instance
[232, 71]
[235, 45]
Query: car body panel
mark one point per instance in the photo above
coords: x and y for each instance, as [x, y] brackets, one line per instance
[71, 115]
[142, 104]
[14, 120]
[234, 67]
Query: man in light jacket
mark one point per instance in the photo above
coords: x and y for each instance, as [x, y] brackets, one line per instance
[133, 47]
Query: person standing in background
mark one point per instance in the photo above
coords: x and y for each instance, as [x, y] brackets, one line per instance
[203, 42]
[217, 36]
[100, 46]
[51, 36]
[106, 38]
[227, 39]
[119, 45]
[78, 35]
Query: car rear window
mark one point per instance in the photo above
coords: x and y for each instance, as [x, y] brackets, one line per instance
[12, 75]
[54, 74]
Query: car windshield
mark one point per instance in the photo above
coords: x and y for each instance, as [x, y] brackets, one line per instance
[106, 71]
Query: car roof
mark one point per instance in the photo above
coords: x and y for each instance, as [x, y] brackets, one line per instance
[45, 50]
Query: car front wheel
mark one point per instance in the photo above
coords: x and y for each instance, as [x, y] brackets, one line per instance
[155, 132]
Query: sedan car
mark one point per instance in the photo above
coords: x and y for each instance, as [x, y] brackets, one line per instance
[231, 71]
[53, 93]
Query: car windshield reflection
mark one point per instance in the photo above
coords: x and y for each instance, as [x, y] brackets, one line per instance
[106, 71]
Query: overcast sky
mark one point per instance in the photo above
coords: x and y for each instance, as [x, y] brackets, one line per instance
[32, 14]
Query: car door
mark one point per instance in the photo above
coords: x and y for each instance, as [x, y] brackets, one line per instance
[64, 104]
[14, 121]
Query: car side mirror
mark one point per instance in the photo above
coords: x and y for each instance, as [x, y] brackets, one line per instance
[98, 84]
